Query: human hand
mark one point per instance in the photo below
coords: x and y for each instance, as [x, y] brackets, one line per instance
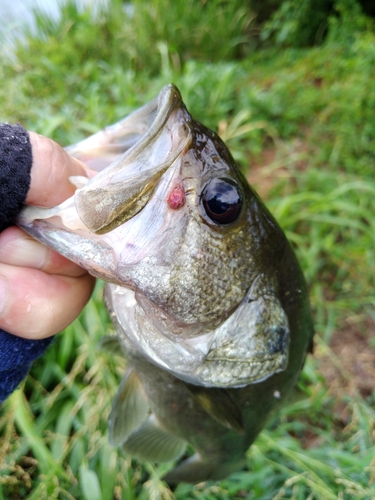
[41, 292]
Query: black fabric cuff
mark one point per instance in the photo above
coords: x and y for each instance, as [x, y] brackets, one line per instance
[16, 357]
[18, 352]
[15, 167]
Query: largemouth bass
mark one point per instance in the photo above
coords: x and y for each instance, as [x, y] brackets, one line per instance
[206, 295]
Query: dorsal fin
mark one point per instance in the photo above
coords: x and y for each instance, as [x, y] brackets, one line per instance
[130, 408]
[218, 404]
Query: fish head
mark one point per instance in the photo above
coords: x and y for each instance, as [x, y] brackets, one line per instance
[191, 254]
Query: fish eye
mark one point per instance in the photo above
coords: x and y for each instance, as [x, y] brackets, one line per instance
[222, 201]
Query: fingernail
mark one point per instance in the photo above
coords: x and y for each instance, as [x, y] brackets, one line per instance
[23, 252]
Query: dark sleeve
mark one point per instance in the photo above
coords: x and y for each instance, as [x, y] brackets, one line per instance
[16, 354]
[15, 167]
[16, 357]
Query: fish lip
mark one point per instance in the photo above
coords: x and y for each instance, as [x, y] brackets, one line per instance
[118, 193]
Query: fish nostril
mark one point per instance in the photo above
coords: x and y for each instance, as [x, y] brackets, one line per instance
[278, 340]
[177, 197]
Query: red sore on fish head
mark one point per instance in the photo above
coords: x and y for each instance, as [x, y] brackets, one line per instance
[177, 197]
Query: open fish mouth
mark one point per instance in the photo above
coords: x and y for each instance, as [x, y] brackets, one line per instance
[151, 141]
[122, 190]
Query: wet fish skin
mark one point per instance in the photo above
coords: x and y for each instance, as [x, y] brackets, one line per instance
[214, 318]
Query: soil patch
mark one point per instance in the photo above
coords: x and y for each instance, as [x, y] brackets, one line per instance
[350, 367]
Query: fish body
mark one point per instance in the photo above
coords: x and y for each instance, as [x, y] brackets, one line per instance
[207, 298]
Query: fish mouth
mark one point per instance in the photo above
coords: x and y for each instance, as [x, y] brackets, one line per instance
[107, 221]
[120, 191]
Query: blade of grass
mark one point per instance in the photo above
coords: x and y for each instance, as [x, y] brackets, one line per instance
[25, 422]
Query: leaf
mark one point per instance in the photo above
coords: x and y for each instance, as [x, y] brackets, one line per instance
[89, 483]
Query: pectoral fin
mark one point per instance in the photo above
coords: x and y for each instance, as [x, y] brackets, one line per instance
[219, 404]
[130, 408]
[153, 444]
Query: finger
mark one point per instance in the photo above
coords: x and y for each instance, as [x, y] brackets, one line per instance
[36, 305]
[50, 172]
[17, 248]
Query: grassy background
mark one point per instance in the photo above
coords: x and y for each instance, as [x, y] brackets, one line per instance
[300, 120]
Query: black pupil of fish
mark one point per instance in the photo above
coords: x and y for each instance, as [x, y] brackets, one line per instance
[222, 201]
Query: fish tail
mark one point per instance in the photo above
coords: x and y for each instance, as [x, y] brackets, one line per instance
[195, 470]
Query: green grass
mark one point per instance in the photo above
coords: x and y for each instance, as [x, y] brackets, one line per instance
[303, 121]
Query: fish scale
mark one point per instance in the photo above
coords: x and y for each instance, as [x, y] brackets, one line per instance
[214, 263]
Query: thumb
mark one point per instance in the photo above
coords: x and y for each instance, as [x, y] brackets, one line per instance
[50, 172]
